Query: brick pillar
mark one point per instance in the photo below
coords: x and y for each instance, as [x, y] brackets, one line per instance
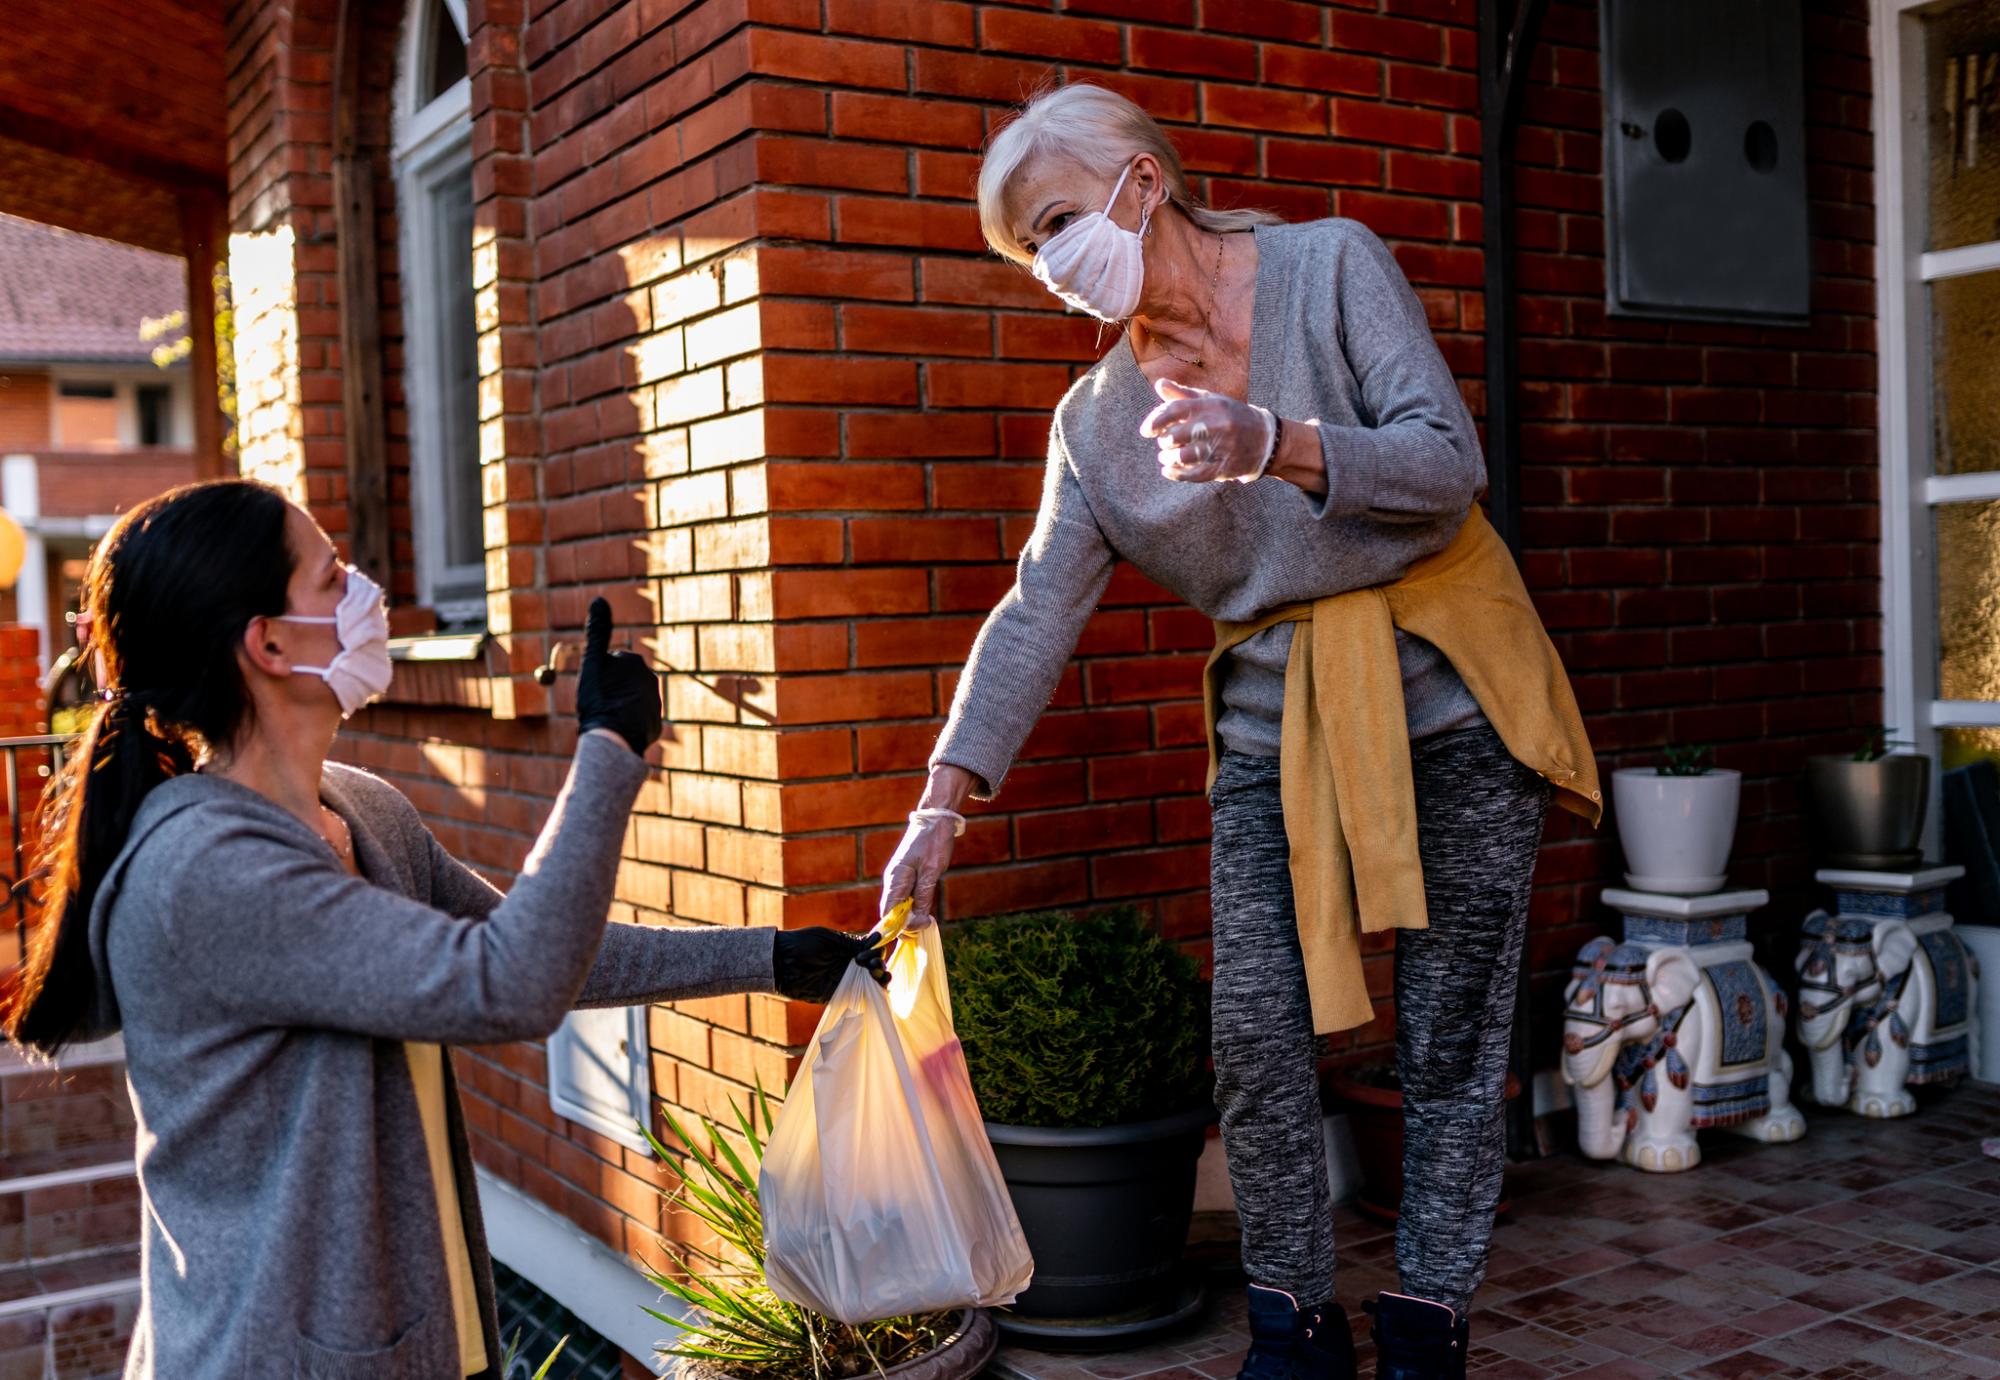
[503, 283]
[280, 266]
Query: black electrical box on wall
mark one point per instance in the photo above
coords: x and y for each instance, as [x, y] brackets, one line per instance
[1704, 154]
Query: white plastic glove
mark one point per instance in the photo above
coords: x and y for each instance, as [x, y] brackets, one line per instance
[918, 864]
[1206, 437]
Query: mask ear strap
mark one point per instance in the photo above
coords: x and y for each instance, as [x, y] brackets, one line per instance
[1116, 188]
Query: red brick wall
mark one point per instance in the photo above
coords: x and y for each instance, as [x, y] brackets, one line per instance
[752, 375]
[76, 484]
[25, 408]
[1702, 516]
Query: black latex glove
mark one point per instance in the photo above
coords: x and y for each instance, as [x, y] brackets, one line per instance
[809, 963]
[616, 690]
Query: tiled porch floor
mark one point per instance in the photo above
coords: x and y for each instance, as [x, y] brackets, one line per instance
[1866, 1249]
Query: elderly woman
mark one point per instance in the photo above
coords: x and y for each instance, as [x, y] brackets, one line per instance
[1277, 440]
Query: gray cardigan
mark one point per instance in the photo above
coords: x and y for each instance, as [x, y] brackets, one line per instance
[1336, 334]
[290, 1221]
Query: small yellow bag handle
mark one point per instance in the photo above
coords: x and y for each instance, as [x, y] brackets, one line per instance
[907, 963]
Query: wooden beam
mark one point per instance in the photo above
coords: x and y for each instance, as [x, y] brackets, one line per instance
[203, 234]
[364, 421]
[85, 147]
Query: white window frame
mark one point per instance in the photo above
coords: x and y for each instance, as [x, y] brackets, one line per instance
[433, 143]
[1910, 491]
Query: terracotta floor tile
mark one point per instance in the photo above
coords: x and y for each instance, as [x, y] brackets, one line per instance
[1718, 1340]
[1541, 1275]
[1674, 1359]
[1625, 1368]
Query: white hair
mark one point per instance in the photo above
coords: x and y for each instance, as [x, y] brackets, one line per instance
[1097, 130]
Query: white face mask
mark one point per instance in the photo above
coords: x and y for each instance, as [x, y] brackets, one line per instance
[361, 670]
[1095, 264]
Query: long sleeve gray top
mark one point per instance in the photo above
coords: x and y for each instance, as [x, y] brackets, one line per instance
[1337, 335]
[290, 1221]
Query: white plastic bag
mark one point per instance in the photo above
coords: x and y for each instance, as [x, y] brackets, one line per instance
[880, 1192]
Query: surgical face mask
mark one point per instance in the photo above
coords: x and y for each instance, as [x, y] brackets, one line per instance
[1096, 264]
[360, 671]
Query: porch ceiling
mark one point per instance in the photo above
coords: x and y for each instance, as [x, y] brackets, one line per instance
[113, 115]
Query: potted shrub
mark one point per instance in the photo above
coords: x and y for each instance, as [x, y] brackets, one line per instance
[1866, 808]
[739, 1329]
[1087, 1041]
[1371, 1097]
[1677, 822]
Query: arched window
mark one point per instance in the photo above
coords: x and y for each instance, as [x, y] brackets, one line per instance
[433, 157]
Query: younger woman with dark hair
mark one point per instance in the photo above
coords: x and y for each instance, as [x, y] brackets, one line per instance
[287, 949]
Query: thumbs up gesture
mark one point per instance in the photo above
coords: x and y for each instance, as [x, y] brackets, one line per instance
[616, 690]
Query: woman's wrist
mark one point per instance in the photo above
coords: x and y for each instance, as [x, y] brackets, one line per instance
[947, 788]
[1299, 460]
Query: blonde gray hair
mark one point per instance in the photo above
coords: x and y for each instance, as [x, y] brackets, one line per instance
[1099, 131]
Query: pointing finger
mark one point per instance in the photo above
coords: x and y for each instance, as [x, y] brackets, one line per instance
[597, 628]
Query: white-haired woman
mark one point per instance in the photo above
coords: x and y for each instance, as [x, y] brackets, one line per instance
[1277, 439]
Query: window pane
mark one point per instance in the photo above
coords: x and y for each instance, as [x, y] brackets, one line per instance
[1965, 382]
[87, 416]
[447, 53]
[1962, 90]
[155, 414]
[1968, 576]
[459, 357]
[1959, 747]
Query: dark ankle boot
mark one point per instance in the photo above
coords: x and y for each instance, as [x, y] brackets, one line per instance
[1326, 1343]
[1416, 1339]
[1275, 1330]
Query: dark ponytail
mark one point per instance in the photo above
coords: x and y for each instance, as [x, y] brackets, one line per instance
[170, 590]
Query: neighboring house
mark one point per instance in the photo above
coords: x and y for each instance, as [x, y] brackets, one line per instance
[683, 302]
[89, 424]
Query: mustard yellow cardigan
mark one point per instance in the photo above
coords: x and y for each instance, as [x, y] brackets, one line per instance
[1344, 763]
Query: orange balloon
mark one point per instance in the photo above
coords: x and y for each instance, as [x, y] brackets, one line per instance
[13, 548]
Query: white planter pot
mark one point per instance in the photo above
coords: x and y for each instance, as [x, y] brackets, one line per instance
[1677, 830]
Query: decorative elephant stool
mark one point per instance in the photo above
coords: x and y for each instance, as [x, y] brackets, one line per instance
[1675, 1031]
[1886, 991]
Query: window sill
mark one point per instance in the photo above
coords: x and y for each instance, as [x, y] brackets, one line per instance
[446, 670]
[451, 646]
[456, 670]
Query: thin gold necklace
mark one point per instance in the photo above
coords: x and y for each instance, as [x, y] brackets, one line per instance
[1207, 316]
[341, 840]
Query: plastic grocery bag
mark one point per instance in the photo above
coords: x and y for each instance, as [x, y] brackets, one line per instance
[880, 1192]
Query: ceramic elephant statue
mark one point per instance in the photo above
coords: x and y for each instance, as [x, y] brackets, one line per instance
[1919, 1029]
[1840, 974]
[1659, 1045]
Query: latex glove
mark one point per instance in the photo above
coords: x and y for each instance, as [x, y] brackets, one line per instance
[808, 964]
[1205, 437]
[918, 864]
[616, 690]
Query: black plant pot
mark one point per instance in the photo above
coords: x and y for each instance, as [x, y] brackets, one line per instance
[1868, 815]
[1106, 1214]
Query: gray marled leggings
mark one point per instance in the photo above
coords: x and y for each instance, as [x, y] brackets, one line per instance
[1479, 829]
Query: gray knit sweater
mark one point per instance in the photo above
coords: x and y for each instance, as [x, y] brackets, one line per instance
[1338, 335]
[289, 1218]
